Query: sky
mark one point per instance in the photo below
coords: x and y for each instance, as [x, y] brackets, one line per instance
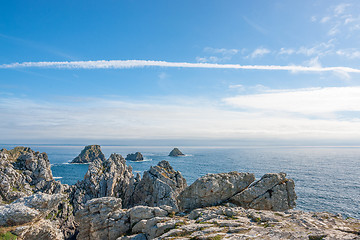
[246, 72]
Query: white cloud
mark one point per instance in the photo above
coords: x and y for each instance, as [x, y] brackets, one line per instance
[340, 9]
[121, 64]
[222, 51]
[223, 55]
[286, 51]
[163, 75]
[349, 53]
[259, 52]
[311, 101]
[267, 115]
[325, 19]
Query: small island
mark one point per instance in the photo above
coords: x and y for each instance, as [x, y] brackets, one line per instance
[175, 153]
[135, 157]
[89, 154]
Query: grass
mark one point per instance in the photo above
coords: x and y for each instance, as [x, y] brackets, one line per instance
[7, 236]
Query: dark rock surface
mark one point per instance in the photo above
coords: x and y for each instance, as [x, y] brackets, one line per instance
[176, 152]
[135, 157]
[89, 154]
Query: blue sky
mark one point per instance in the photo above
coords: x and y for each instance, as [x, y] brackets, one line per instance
[285, 71]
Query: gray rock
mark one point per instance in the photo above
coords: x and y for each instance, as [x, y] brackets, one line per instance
[28, 209]
[272, 192]
[144, 212]
[102, 218]
[135, 157]
[213, 189]
[89, 154]
[175, 153]
[159, 186]
[140, 236]
[109, 178]
[41, 230]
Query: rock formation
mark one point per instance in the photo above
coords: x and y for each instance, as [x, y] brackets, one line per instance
[159, 186]
[213, 189]
[108, 178]
[89, 154]
[135, 157]
[272, 192]
[110, 203]
[104, 219]
[175, 153]
[26, 216]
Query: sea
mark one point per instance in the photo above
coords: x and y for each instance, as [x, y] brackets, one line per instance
[326, 178]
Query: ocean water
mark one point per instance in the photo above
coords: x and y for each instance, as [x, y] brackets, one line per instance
[326, 178]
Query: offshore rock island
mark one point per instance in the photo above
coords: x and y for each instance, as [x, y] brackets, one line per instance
[111, 203]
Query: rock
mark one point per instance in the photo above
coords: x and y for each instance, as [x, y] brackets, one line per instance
[89, 154]
[15, 153]
[176, 152]
[102, 218]
[109, 178]
[140, 236]
[42, 230]
[135, 157]
[143, 212]
[213, 189]
[28, 209]
[272, 192]
[159, 186]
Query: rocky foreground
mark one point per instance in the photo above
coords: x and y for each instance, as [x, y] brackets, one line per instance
[111, 203]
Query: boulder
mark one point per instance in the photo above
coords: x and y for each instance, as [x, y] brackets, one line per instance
[135, 157]
[272, 192]
[213, 189]
[41, 230]
[28, 209]
[89, 154]
[159, 186]
[102, 218]
[176, 152]
[108, 178]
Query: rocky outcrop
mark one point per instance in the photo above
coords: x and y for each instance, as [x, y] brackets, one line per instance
[213, 189]
[159, 186]
[272, 192]
[41, 230]
[135, 157]
[89, 154]
[28, 209]
[175, 153]
[104, 219]
[108, 178]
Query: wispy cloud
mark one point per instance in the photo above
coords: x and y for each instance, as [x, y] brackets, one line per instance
[259, 52]
[123, 64]
[266, 115]
[308, 101]
[222, 54]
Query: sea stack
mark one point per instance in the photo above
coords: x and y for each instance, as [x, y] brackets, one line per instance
[135, 157]
[89, 154]
[175, 153]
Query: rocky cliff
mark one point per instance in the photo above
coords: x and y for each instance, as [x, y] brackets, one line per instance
[175, 153]
[135, 157]
[111, 203]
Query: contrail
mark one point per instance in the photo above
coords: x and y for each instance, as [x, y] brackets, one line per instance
[120, 64]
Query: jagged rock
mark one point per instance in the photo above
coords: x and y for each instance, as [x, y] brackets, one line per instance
[89, 154]
[41, 230]
[13, 184]
[135, 157]
[272, 192]
[144, 212]
[24, 171]
[176, 152]
[213, 189]
[140, 236]
[28, 209]
[159, 186]
[102, 218]
[108, 178]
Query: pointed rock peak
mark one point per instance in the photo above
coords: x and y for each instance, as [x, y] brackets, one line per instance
[176, 152]
[89, 154]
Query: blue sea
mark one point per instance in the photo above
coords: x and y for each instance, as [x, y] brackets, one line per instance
[326, 178]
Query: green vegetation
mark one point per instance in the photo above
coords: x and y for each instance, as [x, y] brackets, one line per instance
[7, 236]
[217, 237]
